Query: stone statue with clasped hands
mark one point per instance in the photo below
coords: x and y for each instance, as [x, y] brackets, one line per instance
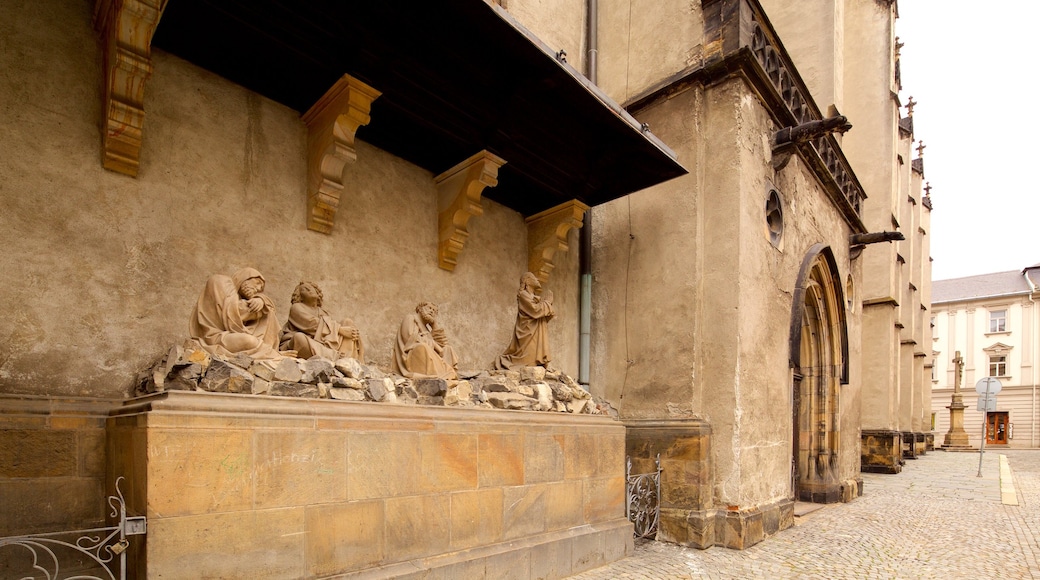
[234, 316]
[422, 350]
[311, 331]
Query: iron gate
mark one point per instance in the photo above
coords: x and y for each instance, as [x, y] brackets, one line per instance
[643, 499]
[93, 554]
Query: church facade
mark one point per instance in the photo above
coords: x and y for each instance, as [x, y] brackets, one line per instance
[711, 199]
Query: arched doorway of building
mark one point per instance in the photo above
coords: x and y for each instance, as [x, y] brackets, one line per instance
[819, 359]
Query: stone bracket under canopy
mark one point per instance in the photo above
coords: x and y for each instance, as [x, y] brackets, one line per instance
[126, 28]
[547, 234]
[332, 124]
[458, 199]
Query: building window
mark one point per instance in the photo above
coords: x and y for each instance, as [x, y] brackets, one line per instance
[998, 320]
[774, 217]
[998, 365]
[933, 421]
[935, 374]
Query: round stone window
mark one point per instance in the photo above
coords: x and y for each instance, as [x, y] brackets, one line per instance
[774, 217]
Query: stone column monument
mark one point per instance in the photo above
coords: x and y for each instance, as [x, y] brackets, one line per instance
[957, 438]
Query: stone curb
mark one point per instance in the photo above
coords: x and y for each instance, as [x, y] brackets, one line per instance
[1008, 495]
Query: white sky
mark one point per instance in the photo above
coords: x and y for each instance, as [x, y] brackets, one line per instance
[967, 64]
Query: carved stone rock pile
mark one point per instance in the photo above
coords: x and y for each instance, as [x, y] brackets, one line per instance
[188, 367]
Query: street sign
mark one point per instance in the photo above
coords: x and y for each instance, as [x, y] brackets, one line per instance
[987, 388]
[988, 385]
[988, 405]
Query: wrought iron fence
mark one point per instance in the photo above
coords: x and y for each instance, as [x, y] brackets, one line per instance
[643, 499]
[92, 554]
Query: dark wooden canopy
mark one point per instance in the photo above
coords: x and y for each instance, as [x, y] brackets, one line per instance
[456, 76]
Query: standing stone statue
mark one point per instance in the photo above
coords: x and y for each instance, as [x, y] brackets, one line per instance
[233, 316]
[422, 350]
[311, 331]
[530, 343]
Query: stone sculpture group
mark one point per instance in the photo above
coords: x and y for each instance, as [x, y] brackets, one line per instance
[237, 346]
[233, 316]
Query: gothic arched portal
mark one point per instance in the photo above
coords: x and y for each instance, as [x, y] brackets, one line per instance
[819, 358]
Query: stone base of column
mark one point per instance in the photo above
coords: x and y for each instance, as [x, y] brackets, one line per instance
[735, 529]
[686, 488]
[689, 516]
[920, 443]
[743, 528]
[830, 492]
[908, 445]
[880, 451]
[957, 441]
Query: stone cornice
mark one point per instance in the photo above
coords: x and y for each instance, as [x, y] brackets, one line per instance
[332, 124]
[359, 415]
[126, 28]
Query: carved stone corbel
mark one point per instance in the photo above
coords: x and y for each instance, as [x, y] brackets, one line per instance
[331, 125]
[547, 233]
[458, 199]
[126, 28]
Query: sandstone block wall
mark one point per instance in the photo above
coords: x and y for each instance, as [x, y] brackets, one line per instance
[52, 464]
[262, 487]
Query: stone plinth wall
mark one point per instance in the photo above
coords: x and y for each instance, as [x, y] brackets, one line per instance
[265, 487]
[739, 529]
[909, 445]
[920, 443]
[689, 515]
[881, 451]
[686, 476]
[52, 464]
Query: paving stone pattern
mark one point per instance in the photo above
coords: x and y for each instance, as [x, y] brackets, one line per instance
[936, 519]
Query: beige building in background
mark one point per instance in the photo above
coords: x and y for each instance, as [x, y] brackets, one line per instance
[993, 320]
[749, 320]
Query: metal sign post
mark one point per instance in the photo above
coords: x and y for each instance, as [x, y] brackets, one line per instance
[985, 387]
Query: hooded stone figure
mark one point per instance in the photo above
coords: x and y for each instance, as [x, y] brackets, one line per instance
[530, 343]
[233, 316]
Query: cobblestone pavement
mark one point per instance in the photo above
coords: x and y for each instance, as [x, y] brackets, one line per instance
[936, 519]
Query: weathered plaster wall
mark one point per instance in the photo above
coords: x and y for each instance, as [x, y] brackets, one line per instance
[879, 371]
[764, 282]
[646, 283]
[871, 145]
[103, 270]
[558, 23]
[813, 32]
[633, 58]
[692, 303]
[871, 148]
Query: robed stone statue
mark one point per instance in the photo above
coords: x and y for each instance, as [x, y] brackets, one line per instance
[234, 316]
[530, 343]
[311, 331]
[422, 350]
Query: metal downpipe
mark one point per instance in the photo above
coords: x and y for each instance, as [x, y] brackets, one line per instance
[585, 238]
